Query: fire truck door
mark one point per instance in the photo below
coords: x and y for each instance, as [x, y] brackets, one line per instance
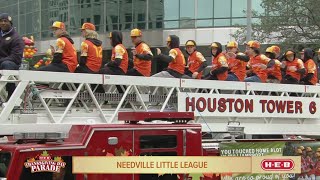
[163, 142]
[111, 143]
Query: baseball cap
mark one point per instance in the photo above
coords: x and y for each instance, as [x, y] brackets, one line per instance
[301, 147]
[276, 49]
[88, 26]
[253, 44]
[299, 151]
[308, 149]
[287, 54]
[214, 45]
[135, 33]
[270, 50]
[59, 25]
[190, 43]
[232, 44]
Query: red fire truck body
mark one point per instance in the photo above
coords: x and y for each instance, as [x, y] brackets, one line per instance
[102, 140]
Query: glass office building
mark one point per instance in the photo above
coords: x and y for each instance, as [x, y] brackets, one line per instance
[33, 17]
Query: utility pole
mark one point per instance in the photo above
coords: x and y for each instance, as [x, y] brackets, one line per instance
[249, 20]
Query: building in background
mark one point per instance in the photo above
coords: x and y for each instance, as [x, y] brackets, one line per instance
[202, 20]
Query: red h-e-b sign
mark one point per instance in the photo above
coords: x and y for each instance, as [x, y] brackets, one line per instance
[277, 164]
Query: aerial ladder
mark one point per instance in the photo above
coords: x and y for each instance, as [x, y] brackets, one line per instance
[55, 101]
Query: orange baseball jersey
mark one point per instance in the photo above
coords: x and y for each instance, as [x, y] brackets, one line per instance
[317, 168]
[255, 64]
[69, 53]
[311, 67]
[275, 70]
[195, 60]
[93, 54]
[310, 163]
[142, 66]
[218, 62]
[292, 66]
[237, 67]
[119, 51]
[178, 62]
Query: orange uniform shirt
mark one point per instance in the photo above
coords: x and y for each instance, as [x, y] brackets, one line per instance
[317, 168]
[275, 70]
[69, 53]
[292, 66]
[195, 60]
[178, 62]
[218, 62]
[255, 64]
[93, 54]
[142, 66]
[311, 67]
[119, 51]
[237, 67]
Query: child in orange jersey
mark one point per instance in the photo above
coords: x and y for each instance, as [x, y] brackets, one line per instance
[237, 62]
[91, 50]
[175, 59]
[293, 68]
[311, 75]
[64, 55]
[119, 57]
[258, 63]
[219, 70]
[142, 56]
[196, 61]
[274, 73]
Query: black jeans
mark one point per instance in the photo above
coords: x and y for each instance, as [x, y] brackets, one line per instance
[134, 72]
[287, 79]
[83, 69]
[9, 65]
[114, 71]
[55, 67]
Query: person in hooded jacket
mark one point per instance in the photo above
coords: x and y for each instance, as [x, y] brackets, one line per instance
[11, 48]
[119, 58]
[64, 55]
[91, 50]
[311, 74]
[142, 55]
[175, 59]
[196, 61]
[219, 70]
[318, 62]
[293, 68]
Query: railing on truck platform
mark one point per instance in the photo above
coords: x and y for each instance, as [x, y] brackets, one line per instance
[70, 98]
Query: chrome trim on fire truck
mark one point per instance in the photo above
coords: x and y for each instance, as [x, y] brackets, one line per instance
[184, 136]
[105, 129]
[133, 149]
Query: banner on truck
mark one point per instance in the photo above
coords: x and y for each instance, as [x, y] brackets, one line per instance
[233, 105]
[308, 151]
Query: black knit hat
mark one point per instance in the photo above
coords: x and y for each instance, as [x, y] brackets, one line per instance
[6, 16]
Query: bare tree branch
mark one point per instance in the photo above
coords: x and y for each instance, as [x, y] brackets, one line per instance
[286, 22]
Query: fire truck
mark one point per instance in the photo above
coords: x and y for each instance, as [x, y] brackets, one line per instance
[170, 137]
[88, 107]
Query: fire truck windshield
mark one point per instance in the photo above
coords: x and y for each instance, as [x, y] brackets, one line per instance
[5, 158]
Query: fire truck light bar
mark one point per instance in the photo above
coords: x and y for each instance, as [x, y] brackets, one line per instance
[43, 135]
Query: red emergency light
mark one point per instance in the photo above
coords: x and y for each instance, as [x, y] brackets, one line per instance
[175, 117]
